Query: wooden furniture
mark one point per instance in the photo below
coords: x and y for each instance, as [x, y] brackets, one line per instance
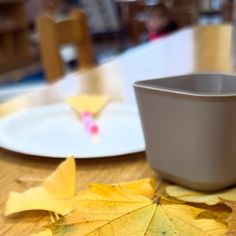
[192, 50]
[185, 12]
[50, 7]
[14, 35]
[227, 10]
[53, 34]
[223, 10]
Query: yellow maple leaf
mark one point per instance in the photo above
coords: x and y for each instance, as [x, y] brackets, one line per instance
[53, 194]
[218, 212]
[109, 211]
[145, 187]
[46, 232]
[232, 218]
[88, 103]
[188, 195]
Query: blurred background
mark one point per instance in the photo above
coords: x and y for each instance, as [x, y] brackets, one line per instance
[114, 26]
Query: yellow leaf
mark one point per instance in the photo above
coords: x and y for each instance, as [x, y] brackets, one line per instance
[200, 197]
[89, 103]
[53, 195]
[46, 232]
[232, 219]
[218, 212]
[146, 187]
[109, 210]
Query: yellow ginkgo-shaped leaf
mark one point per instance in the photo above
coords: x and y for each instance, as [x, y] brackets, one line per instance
[54, 194]
[88, 103]
[111, 211]
[188, 195]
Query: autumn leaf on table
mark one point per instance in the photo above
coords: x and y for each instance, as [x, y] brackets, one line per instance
[146, 187]
[52, 195]
[232, 219]
[219, 212]
[114, 209]
[110, 210]
[46, 232]
[188, 195]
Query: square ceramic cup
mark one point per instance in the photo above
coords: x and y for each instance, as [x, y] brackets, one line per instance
[189, 125]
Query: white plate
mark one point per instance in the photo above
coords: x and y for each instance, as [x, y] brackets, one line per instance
[55, 131]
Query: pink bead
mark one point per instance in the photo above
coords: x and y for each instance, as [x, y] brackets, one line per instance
[94, 129]
[85, 114]
[89, 123]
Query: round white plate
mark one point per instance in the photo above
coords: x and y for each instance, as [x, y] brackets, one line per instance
[55, 131]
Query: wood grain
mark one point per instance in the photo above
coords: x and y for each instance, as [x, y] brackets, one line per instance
[202, 48]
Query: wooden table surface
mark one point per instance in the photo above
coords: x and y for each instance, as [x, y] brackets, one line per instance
[190, 50]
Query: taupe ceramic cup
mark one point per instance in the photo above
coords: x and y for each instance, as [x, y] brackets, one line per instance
[189, 124]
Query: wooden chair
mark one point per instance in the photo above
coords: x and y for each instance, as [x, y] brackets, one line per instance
[53, 34]
[229, 10]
